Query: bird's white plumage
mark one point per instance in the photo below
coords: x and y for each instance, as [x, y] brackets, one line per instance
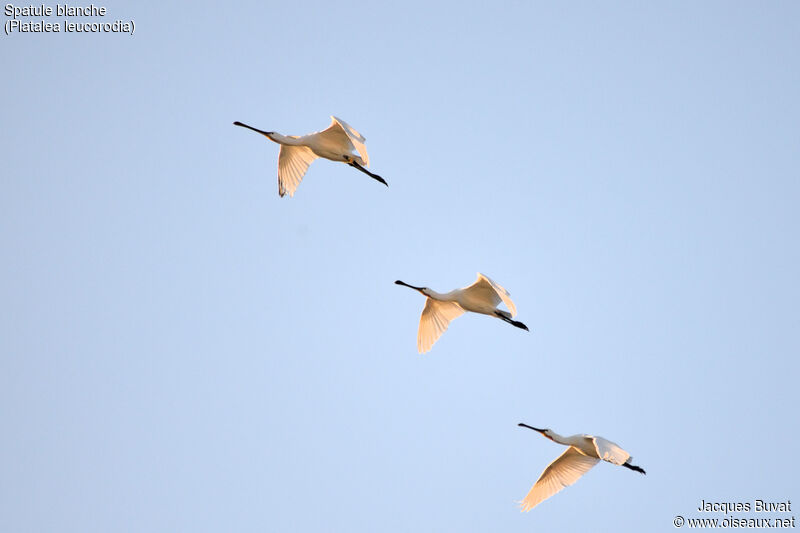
[563, 472]
[356, 139]
[435, 318]
[609, 451]
[486, 290]
[482, 297]
[293, 161]
[338, 142]
[583, 452]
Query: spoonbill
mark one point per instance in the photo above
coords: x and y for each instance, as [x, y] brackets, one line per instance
[480, 297]
[583, 453]
[336, 143]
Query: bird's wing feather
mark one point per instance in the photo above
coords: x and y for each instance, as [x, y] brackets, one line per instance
[563, 472]
[353, 136]
[608, 451]
[436, 316]
[486, 289]
[293, 162]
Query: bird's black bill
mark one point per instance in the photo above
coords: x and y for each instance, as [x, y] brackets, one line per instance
[530, 427]
[404, 284]
[365, 171]
[237, 123]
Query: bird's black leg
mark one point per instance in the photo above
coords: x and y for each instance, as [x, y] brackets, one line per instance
[515, 323]
[367, 172]
[634, 468]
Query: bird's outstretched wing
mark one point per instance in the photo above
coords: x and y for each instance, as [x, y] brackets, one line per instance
[355, 138]
[608, 451]
[487, 290]
[563, 472]
[293, 162]
[436, 316]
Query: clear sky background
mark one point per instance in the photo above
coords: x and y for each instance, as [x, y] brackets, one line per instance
[183, 351]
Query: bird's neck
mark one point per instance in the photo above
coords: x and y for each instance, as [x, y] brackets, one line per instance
[283, 139]
[442, 297]
[561, 439]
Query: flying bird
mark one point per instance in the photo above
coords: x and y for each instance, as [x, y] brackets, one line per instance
[483, 296]
[337, 143]
[583, 453]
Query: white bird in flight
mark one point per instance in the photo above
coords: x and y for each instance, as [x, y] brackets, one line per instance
[336, 143]
[583, 453]
[480, 297]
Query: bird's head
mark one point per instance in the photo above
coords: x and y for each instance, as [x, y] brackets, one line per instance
[268, 134]
[546, 432]
[422, 290]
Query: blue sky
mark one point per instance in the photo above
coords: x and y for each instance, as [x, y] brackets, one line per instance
[182, 350]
